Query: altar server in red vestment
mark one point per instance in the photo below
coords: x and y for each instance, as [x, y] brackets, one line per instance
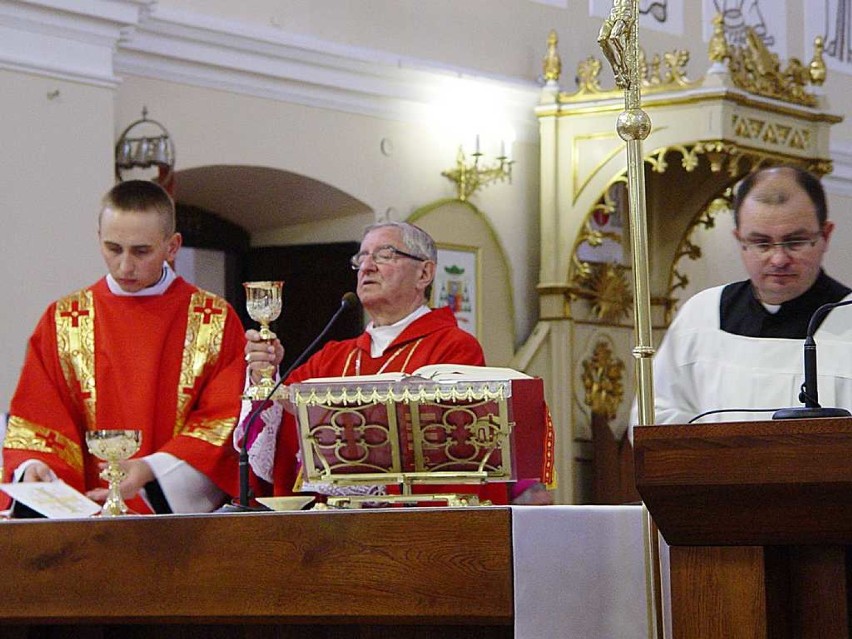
[396, 267]
[139, 349]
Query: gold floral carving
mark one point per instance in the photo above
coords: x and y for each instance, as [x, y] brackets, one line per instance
[602, 380]
[606, 288]
[754, 68]
[688, 249]
[25, 435]
[74, 319]
[588, 76]
[663, 72]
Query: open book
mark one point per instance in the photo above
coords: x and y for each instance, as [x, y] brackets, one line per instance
[434, 372]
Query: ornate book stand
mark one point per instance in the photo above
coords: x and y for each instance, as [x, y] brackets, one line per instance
[404, 431]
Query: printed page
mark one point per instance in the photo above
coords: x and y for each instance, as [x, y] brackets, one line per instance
[462, 372]
[53, 499]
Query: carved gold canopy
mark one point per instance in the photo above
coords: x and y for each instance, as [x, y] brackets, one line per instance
[748, 110]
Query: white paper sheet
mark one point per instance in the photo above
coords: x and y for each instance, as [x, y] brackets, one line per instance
[54, 500]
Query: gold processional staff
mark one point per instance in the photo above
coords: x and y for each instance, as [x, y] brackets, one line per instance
[619, 40]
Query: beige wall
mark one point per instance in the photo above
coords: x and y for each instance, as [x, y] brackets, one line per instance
[57, 160]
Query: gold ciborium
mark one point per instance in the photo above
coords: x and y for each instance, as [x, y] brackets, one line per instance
[113, 446]
[263, 302]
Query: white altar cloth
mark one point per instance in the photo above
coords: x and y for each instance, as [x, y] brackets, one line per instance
[579, 572]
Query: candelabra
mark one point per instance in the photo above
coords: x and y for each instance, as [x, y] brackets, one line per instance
[470, 176]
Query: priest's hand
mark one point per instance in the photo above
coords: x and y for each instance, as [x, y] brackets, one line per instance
[261, 354]
[38, 471]
[138, 472]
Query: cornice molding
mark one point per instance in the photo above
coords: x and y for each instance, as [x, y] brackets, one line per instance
[201, 50]
[66, 39]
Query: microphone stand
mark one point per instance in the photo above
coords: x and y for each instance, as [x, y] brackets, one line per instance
[349, 300]
[808, 394]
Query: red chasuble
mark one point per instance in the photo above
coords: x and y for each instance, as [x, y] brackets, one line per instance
[434, 338]
[169, 365]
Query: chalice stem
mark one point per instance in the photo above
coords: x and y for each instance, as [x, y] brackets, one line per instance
[114, 504]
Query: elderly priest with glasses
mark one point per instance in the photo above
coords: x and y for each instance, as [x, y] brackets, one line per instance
[396, 267]
[740, 346]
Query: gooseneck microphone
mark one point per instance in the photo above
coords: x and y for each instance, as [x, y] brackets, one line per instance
[349, 300]
[808, 394]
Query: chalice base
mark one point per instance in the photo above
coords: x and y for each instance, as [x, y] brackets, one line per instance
[115, 511]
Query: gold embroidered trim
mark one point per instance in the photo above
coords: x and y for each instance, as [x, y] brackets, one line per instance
[25, 435]
[205, 326]
[75, 341]
[212, 431]
[384, 366]
[410, 353]
[348, 361]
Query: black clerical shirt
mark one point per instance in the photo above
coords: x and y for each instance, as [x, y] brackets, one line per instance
[741, 313]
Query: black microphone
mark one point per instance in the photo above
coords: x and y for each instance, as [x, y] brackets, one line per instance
[349, 300]
[808, 394]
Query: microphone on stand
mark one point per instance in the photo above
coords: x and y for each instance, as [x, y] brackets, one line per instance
[349, 300]
[808, 394]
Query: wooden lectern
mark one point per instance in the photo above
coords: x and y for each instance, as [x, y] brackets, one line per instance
[759, 519]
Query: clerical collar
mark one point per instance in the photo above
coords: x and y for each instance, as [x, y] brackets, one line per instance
[159, 288]
[382, 336]
[741, 313]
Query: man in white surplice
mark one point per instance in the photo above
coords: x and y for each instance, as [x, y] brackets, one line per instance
[740, 346]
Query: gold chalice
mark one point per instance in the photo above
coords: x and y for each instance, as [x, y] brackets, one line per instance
[113, 446]
[263, 302]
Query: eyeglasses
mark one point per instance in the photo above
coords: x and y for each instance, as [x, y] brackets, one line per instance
[382, 255]
[791, 246]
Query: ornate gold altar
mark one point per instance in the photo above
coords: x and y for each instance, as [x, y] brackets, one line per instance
[750, 109]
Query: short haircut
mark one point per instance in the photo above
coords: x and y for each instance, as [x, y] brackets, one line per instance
[141, 196]
[807, 180]
[416, 240]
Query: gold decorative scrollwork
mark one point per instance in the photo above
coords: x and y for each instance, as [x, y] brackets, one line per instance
[602, 380]
[605, 286]
[754, 68]
[663, 73]
[771, 133]
[688, 249]
[588, 76]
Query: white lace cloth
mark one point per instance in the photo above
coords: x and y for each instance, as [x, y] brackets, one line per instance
[261, 454]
